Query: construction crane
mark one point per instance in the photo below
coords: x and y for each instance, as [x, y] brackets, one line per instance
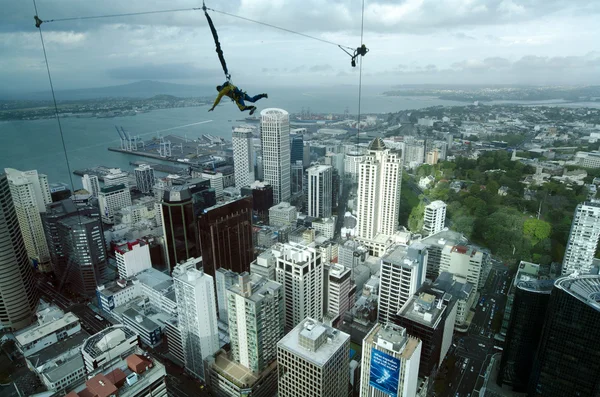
[124, 145]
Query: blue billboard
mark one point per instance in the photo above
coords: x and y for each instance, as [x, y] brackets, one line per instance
[385, 372]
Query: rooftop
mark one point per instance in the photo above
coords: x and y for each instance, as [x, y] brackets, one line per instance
[436, 205]
[258, 287]
[424, 308]
[156, 280]
[393, 338]
[64, 368]
[584, 288]
[140, 319]
[537, 286]
[59, 348]
[444, 237]
[235, 372]
[377, 144]
[107, 339]
[456, 286]
[310, 333]
[38, 332]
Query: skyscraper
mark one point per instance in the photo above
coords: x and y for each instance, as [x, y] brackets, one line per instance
[389, 348]
[91, 184]
[297, 177]
[30, 194]
[402, 274]
[226, 236]
[195, 295]
[255, 307]
[111, 199]
[464, 261]
[275, 142]
[567, 362]
[378, 197]
[18, 295]
[296, 148]
[243, 156]
[583, 239]
[314, 361]
[262, 199]
[434, 218]
[144, 178]
[77, 246]
[319, 191]
[181, 207]
[300, 271]
[524, 330]
[338, 295]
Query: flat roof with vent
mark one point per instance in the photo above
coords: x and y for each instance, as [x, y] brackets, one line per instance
[312, 330]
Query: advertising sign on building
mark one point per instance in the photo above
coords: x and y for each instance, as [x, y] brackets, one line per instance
[385, 372]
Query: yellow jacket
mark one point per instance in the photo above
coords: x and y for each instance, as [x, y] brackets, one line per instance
[227, 90]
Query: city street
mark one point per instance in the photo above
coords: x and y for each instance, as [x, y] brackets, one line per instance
[471, 351]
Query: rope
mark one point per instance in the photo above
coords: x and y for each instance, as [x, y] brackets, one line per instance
[280, 28]
[62, 137]
[128, 14]
[362, 26]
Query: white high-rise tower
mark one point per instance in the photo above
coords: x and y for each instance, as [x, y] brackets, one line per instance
[434, 218]
[378, 197]
[91, 184]
[583, 238]
[18, 293]
[243, 156]
[30, 194]
[195, 295]
[275, 142]
[300, 271]
[255, 310]
[319, 191]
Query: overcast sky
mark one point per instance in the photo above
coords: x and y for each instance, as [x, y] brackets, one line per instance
[410, 41]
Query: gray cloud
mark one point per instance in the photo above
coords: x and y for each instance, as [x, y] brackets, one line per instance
[413, 16]
[320, 68]
[172, 71]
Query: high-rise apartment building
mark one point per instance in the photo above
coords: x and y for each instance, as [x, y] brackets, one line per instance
[243, 156]
[144, 178]
[378, 197]
[313, 361]
[226, 236]
[195, 295]
[300, 271]
[132, 258]
[434, 218]
[390, 362]
[275, 142]
[181, 207]
[402, 274]
[30, 193]
[91, 184]
[583, 239]
[567, 362]
[111, 199]
[338, 296]
[255, 307]
[464, 261]
[319, 191]
[524, 331]
[18, 295]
